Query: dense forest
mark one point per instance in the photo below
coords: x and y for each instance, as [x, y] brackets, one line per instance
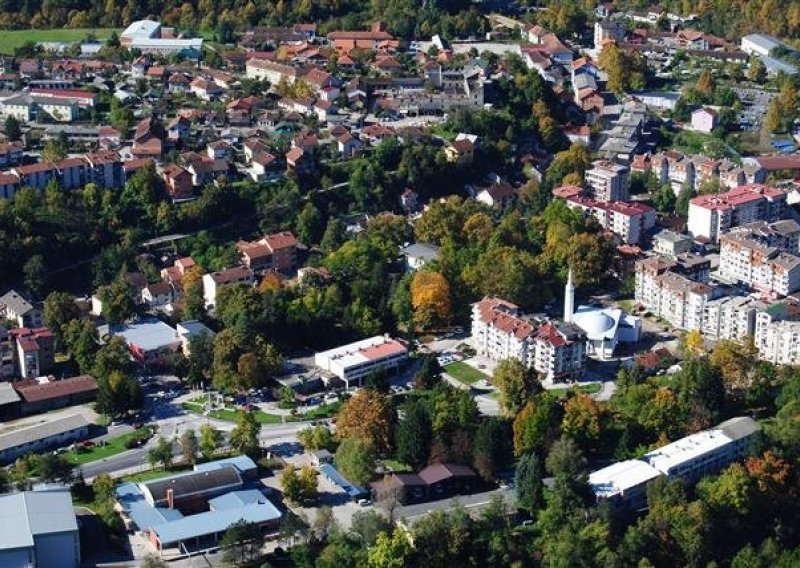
[405, 18]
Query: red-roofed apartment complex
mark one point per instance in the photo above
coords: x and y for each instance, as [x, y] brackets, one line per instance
[631, 222]
[712, 215]
[271, 252]
[556, 351]
[351, 363]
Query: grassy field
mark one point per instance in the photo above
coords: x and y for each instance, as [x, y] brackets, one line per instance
[113, 447]
[230, 415]
[464, 373]
[591, 388]
[10, 40]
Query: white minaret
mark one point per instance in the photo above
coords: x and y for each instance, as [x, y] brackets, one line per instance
[569, 298]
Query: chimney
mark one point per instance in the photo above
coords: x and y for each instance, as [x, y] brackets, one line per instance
[170, 498]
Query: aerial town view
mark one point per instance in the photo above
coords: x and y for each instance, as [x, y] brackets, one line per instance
[400, 283]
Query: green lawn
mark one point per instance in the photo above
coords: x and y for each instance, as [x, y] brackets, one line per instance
[113, 447]
[465, 373]
[591, 388]
[396, 466]
[10, 40]
[230, 415]
[322, 411]
[154, 473]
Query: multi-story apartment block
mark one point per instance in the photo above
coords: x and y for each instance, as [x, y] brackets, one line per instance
[767, 334]
[214, 281]
[672, 295]
[608, 181]
[35, 353]
[711, 215]
[674, 168]
[670, 243]
[768, 269]
[6, 354]
[608, 30]
[730, 317]
[630, 222]
[499, 331]
[779, 342]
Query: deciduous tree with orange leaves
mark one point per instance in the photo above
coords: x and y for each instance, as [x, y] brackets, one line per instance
[430, 298]
[366, 416]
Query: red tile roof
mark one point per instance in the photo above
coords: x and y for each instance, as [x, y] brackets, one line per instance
[33, 391]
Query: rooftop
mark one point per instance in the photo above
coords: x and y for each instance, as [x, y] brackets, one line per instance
[29, 514]
[16, 438]
[621, 476]
[35, 391]
[147, 335]
[373, 348]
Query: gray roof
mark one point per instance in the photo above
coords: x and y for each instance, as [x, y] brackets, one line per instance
[21, 436]
[7, 393]
[193, 483]
[147, 335]
[24, 516]
[739, 427]
[423, 251]
[16, 303]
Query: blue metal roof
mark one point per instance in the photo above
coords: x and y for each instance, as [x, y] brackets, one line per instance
[353, 491]
[236, 499]
[242, 463]
[260, 511]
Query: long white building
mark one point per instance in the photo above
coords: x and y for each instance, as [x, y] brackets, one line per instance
[624, 484]
[712, 215]
[352, 362]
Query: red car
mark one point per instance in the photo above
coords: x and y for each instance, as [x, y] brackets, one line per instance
[87, 443]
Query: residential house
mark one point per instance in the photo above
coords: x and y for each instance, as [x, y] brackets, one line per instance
[705, 120]
[214, 281]
[277, 251]
[178, 181]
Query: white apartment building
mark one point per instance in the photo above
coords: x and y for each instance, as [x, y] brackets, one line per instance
[631, 222]
[605, 30]
[670, 295]
[214, 281]
[273, 72]
[500, 332]
[767, 269]
[608, 181]
[730, 317]
[352, 362]
[779, 342]
[670, 243]
[712, 215]
[674, 168]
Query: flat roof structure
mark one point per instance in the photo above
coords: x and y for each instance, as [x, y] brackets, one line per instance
[142, 29]
[361, 357]
[667, 458]
[147, 335]
[16, 438]
[29, 514]
[7, 394]
[618, 478]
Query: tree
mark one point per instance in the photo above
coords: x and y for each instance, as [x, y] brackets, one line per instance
[736, 360]
[367, 525]
[706, 85]
[414, 434]
[55, 149]
[528, 483]
[120, 117]
[665, 199]
[189, 446]
[757, 72]
[117, 300]
[536, 425]
[118, 392]
[581, 420]
[430, 299]
[244, 437]
[153, 561]
[52, 468]
[12, 128]
[209, 440]
[241, 543]
[728, 493]
[299, 486]
[59, 310]
[317, 437]
[80, 338]
[390, 551]
[160, 453]
[516, 383]
[565, 459]
[429, 373]
[492, 448]
[310, 225]
[692, 344]
[355, 458]
[682, 201]
[366, 416]
[35, 274]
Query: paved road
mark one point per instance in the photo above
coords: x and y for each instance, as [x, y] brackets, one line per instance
[472, 503]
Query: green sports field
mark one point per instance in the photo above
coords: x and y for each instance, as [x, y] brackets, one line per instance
[10, 40]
